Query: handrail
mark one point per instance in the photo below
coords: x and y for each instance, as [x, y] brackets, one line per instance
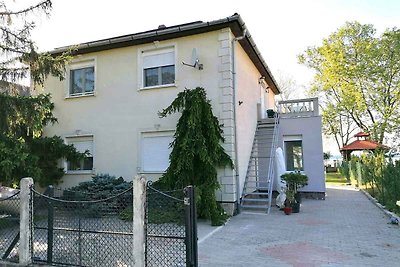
[272, 161]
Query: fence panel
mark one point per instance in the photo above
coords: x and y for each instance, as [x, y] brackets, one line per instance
[9, 227]
[73, 229]
[169, 241]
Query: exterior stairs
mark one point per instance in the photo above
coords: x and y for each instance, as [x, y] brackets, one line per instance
[257, 189]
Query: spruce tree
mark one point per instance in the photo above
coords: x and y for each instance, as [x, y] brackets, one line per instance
[19, 57]
[23, 150]
[197, 152]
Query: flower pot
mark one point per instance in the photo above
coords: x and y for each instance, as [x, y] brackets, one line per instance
[296, 207]
[297, 197]
[287, 210]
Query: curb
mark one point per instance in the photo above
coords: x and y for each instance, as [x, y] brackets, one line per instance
[380, 206]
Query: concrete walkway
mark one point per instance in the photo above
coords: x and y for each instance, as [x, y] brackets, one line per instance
[346, 229]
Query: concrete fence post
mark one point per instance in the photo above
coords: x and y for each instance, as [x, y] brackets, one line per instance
[139, 201]
[24, 226]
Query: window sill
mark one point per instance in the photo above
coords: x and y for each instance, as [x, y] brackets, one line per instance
[79, 95]
[158, 86]
[79, 172]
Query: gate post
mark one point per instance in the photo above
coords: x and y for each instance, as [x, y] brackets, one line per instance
[50, 225]
[191, 227]
[25, 221]
[139, 236]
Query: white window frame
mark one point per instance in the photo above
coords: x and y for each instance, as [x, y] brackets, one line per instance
[80, 138]
[294, 138]
[149, 51]
[76, 65]
[153, 134]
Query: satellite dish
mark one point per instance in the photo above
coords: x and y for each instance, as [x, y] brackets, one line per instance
[195, 61]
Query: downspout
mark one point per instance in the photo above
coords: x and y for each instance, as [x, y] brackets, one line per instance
[238, 194]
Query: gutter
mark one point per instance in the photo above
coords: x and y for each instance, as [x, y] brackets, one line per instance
[238, 194]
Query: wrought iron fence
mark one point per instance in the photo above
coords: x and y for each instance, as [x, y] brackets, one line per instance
[9, 227]
[171, 235]
[70, 228]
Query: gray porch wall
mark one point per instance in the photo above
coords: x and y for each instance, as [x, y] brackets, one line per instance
[310, 130]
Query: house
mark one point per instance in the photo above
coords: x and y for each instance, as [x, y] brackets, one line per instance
[114, 88]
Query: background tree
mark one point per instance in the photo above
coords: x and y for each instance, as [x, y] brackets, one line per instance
[337, 123]
[289, 87]
[359, 75]
[196, 152]
[23, 150]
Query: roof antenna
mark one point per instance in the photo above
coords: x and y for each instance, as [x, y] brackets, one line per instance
[195, 63]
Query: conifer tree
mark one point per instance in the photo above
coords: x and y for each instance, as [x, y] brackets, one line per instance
[196, 152]
[19, 58]
[23, 150]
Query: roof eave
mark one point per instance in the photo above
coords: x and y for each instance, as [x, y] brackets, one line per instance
[235, 23]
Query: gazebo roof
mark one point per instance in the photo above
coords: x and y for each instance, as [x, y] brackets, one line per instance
[361, 134]
[362, 145]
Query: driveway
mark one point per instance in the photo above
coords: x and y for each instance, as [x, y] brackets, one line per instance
[346, 229]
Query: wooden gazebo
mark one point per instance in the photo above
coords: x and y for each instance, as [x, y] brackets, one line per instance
[360, 144]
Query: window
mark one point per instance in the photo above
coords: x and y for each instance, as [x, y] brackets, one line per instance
[82, 144]
[81, 81]
[158, 67]
[155, 151]
[294, 155]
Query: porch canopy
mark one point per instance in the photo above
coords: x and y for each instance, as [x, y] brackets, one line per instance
[359, 145]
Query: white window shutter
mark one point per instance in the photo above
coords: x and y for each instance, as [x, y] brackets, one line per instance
[155, 153]
[158, 60]
[82, 146]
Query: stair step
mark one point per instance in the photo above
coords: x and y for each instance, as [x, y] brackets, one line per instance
[255, 188]
[266, 125]
[257, 194]
[254, 206]
[264, 200]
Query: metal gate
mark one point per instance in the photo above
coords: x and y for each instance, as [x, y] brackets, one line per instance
[171, 228]
[9, 227]
[69, 229]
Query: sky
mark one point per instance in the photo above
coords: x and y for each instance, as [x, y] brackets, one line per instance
[282, 29]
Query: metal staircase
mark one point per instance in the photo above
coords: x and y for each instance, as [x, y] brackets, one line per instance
[257, 189]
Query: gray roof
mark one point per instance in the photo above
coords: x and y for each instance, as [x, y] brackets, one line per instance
[234, 22]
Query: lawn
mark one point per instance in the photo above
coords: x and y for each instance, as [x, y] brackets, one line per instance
[335, 178]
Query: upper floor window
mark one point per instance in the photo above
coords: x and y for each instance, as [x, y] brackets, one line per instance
[82, 81]
[158, 67]
[81, 78]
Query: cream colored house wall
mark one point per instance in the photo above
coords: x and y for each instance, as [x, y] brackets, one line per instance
[119, 111]
[250, 91]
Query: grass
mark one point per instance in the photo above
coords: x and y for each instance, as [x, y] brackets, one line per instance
[335, 178]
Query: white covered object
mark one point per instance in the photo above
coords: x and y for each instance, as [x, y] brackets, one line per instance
[279, 185]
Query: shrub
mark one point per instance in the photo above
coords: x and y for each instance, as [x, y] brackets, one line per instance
[344, 170]
[103, 186]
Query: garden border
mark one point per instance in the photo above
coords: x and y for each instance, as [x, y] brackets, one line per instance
[380, 206]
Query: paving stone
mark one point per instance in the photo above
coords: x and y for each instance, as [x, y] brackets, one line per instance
[346, 229]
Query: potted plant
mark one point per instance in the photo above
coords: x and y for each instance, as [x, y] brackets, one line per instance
[289, 202]
[294, 181]
[270, 113]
